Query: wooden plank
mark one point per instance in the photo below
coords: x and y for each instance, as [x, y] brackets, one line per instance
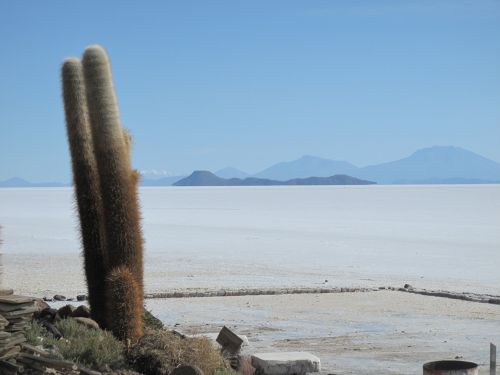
[10, 368]
[6, 307]
[57, 364]
[10, 352]
[86, 371]
[25, 312]
[15, 299]
[35, 350]
[493, 359]
[10, 343]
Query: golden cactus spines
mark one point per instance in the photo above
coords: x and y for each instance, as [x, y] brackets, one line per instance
[120, 205]
[118, 180]
[87, 186]
[125, 304]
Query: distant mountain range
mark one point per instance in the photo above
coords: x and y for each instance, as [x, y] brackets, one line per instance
[433, 165]
[164, 181]
[19, 182]
[306, 166]
[206, 178]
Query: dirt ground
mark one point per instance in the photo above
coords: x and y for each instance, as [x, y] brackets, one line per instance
[352, 333]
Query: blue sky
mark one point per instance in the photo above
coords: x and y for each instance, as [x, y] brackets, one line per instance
[206, 84]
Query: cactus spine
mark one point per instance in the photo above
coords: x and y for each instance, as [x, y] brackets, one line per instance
[124, 303]
[121, 211]
[87, 187]
[106, 188]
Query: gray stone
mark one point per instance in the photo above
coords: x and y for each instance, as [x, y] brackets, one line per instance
[187, 370]
[81, 312]
[87, 322]
[81, 297]
[286, 363]
[66, 311]
[59, 297]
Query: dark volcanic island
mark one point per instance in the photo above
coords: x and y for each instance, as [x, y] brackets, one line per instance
[206, 178]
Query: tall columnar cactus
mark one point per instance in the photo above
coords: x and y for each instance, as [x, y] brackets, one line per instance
[87, 186]
[106, 184]
[124, 298]
[121, 211]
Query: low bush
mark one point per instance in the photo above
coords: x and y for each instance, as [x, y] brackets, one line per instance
[158, 352]
[92, 348]
[151, 321]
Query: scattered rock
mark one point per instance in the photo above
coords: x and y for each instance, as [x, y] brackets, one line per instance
[286, 363]
[48, 299]
[48, 314]
[87, 322]
[81, 297]
[66, 311]
[408, 286]
[187, 370]
[105, 368]
[59, 297]
[81, 312]
[41, 304]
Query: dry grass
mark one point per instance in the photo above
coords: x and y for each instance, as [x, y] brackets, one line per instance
[159, 352]
[91, 348]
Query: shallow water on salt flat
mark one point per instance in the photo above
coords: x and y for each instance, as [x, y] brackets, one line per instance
[229, 237]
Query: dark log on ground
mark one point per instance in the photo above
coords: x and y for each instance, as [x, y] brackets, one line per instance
[9, 368]
[51, 328]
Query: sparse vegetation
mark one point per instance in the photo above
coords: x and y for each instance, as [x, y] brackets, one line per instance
[95, 349]
[151, 321]
[158, 352]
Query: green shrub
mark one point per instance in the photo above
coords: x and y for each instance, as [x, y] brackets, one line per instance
[35, 334]
[226, 371]
[88, 347]
[151, 321]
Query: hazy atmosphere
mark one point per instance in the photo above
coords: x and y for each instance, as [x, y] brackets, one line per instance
[205, 85]
[250, 187]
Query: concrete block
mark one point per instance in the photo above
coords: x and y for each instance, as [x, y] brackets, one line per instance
[286, 363]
